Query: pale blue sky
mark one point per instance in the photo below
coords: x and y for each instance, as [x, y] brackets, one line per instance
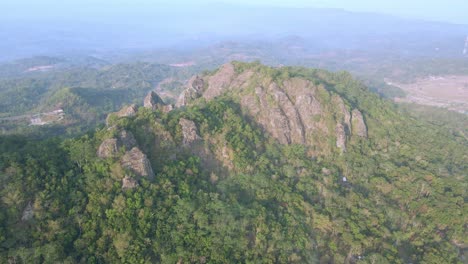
[447, 10]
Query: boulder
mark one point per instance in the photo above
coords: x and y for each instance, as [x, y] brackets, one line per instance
[220, 81]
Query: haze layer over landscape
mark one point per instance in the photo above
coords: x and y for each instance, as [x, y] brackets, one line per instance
[233, 131]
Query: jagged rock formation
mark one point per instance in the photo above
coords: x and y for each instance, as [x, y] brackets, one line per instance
[189, 131]
[137, 162]
[294, 110]
[358, 125]
[129, 183]
[193, 91]
[127, 111]
[340, 136]
[154, 102]
[220, 81]
[28, 213]
[197, 83]
[343, 125]
[109, 148]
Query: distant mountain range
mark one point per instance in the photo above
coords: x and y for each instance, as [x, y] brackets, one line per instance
[196, 26]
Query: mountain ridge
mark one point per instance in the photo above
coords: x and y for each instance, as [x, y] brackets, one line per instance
[225, 189]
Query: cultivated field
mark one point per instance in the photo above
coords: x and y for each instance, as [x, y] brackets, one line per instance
[449, 92]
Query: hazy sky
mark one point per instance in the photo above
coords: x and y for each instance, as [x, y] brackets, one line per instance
[447, 10]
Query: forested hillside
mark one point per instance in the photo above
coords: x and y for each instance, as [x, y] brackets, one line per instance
[86, 94]
[255, 165]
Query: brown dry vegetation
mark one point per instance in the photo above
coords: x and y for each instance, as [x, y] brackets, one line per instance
[449, 92]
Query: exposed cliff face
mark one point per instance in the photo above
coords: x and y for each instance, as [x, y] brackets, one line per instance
[189, 131]
[293, 111]
[358, 124]
[220, 81]
[343, 122]
[192, 92]
[137, 162]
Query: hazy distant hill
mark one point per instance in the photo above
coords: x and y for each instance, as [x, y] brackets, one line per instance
[194, 26]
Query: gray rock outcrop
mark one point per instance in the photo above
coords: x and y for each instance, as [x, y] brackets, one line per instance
[129, 183]
[154, 102]
[293, 110]
[137, 162]
[126, 111]
[193, 91]
[187, 96]
[340, 136]
[197, 83]
[220, 81]
[28, 213]
[109, 148]
[343, 122]
[189, 131]
[359, 127]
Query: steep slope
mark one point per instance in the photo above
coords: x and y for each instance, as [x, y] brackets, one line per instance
[237, 180]
[293, 109]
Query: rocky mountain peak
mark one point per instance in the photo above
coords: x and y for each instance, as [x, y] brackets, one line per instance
[154, 102]
[293, 110]
[137, 162]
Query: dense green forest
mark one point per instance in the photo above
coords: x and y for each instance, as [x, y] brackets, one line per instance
[258, 201]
